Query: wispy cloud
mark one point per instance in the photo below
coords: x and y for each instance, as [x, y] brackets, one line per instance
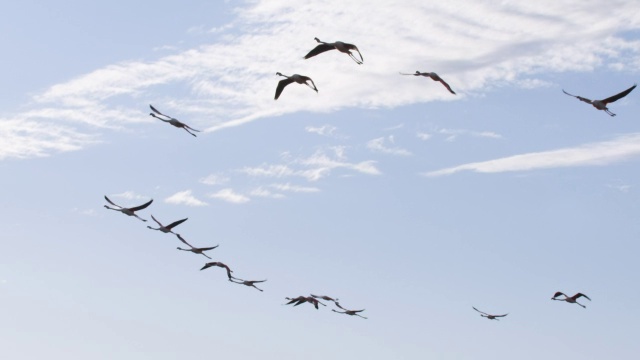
[130, 195]
[378, 145]
[452, 134]
[262, 192]
[482, 43]
[423, 136]
[295, 188]
[324, 130]
[231, 196]
[184, 198]
[601, 153]
[214, 179]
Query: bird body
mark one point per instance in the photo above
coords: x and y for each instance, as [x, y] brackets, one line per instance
[173, 121]
[489, 316]
[433, 77]
[128, 211]
[300, 79]
[167, 229]
[570, 299]
[602, 104]
[338, 45]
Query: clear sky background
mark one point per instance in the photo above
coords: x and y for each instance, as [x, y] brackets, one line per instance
[382, 190]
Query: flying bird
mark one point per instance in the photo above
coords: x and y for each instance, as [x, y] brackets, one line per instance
[489, 316]
[218, 264]
[128, 211]
[338, 45]
[173, 121]
[303, 299]
[433, 77]
[348, 312]
[602, 104]
[572, 299]
[167, 229]
[300, 79]
[248, 282]
[195, 250]
[324, 297]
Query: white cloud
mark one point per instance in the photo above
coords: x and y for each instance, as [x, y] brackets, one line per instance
[324, 130]
[130, 195]
[231, 196]
[423, 135]
[378, 145]
[601, 153]
[474, 45]
[184, 198]
[262, 192]
[268, 171]
[295, 188]
[452, 134]
[214, 179]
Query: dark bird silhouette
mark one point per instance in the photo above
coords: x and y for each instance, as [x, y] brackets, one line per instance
[127, 211]
[433, 77]
[248, 282]
[489, 316]
[173, 121]
[300, 79]
[348, 312]
[218, 264]
[602, 104]
[324, 297]
[338, 45]
[303, 299]
[195, 250]
[572, 299]
[167, 229]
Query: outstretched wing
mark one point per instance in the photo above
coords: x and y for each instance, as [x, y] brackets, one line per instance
[338, 305]
[175, 223]
[581, 295]
[207, 248]
[306, 78]
[184, 241]
[558, 293]
[618, 96]
[578, 97]
[319, 50]
[500, 315]
[141, 206]
[353, 47]
[111, 202]
[157, 222]
[447, 86]
[156, 110]
[481, 312]
[281, 85]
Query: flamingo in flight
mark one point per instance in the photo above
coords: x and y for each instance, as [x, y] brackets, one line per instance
[195, 250]
[572, 300]
[167, 229]
[325, 297]
[173, 121]
[248, 282]
[128, 211]
[489, 316]
[338, 45]
[348, 312]
[433, 77]
[218, 264]
[303, 299]
[602, 104]
[300, 79]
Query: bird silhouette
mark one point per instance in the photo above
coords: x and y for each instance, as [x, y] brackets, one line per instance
[300, 79]
[173, 121]
[572, 300]
[128, 211]
[433, 77]
[338, 45]
[602, 104]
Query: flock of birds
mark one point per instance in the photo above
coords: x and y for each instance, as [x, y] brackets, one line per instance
[314, 300]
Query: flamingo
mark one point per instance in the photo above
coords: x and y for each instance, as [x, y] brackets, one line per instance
[489, 316]
[128, 211]
[173, 121]
[302, 299]
[602, 104]
[248, 282]
[338, 45]
[167, 229]
[572, 299]
[324, 297]
[348, 312]
[433, 77]
[300, 79]
[218, 264]
[195, 250]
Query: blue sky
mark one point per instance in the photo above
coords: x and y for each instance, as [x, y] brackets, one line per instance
[382, 190]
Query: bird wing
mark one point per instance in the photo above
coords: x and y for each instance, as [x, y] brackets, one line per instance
[258, 281]
[500, 315]
[306, 78]
[184, 241]
[581, 294]
[208, 265]
[338, 305]
[558, 293]
[208, 248]
[156, 111]
[482, 312]
[618, 96]
[141, 206]
[578, 97]
[319, 50]
[111, 202]
[154, 219]
[176, 223]
[281, 85]
[447, 86]
[353, 47]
